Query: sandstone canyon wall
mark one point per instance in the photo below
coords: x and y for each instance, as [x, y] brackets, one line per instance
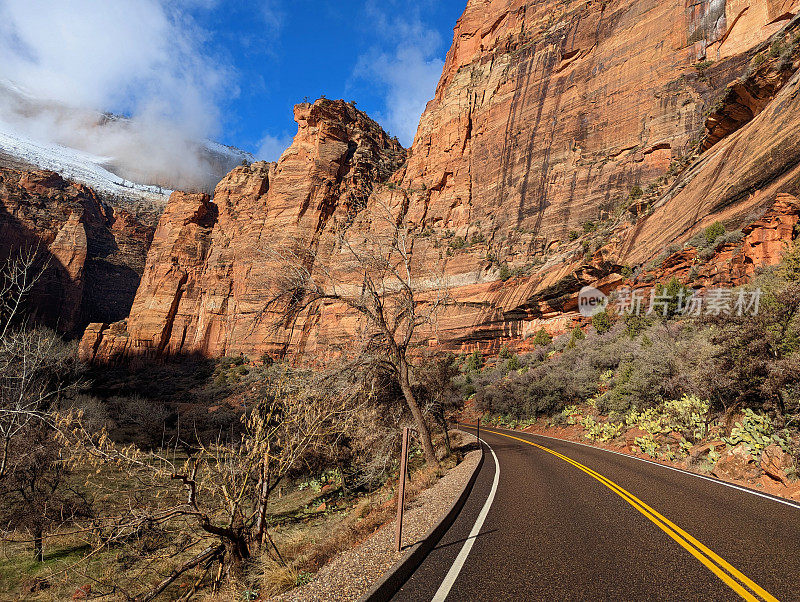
[567, 143]
[205, 288]
[92, 255]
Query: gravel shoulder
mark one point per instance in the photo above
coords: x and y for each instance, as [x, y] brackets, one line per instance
[352, 573]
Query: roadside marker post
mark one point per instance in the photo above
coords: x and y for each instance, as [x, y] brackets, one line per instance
[401, 494]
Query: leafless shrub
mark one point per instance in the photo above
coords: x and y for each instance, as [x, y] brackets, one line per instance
[216, 498]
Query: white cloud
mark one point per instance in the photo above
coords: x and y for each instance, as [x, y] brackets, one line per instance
[408, 71]
[272, 14]
[272, 147]
[141, 57]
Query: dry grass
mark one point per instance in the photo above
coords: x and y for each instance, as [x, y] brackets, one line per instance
[307, 540]
[368, 515]
[275, 578]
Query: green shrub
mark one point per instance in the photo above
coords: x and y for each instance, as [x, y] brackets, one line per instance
[589, 226]
[757, 61]
[636, 193]
[670, 299]
[505, 353]
[636, 324]
[602, 322]
[571, 414]
[513, 363]
[609, 431]
[756, 432]
[648, 445]
[574, 235]
[474, 361]
[790, 266]
[713, 232]
[577, 335]
[777, 48]
[688, 416]
[505, 272]
[542, 338]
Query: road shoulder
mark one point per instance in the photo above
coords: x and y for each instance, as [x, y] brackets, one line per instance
[358, 571]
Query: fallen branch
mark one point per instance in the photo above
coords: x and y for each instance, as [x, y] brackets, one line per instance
[206, 554]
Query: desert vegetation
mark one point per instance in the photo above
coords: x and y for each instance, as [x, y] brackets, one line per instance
[669, 381]
[190, 479]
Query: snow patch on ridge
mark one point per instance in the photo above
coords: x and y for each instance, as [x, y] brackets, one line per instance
[77, 165]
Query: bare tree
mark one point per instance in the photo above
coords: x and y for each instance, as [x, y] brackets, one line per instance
[435, 376]
[18, 276]
[381, 279]
[36, 370]
[217, 497]
[25, 354]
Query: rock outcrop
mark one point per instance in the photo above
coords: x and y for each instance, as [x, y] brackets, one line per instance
[205, 288]
[92, 254]
[566, 143]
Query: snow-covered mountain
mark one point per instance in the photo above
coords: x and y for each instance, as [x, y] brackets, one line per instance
[119, 157]
[75, 165]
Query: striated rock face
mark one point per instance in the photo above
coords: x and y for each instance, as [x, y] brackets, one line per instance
[548, 113]
[552, 119]
[565, 142]
[93, 254]
[204, 289]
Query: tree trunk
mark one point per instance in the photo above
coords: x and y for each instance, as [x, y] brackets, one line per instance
[38, 543]
[236, 554]
[416, 412]
[440, 418]
[261, 512]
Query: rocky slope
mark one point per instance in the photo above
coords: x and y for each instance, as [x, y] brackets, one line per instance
[567, 144]
[91, 253]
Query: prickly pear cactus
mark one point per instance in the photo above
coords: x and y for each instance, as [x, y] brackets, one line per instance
[756, 432]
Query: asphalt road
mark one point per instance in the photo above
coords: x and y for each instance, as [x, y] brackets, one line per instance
[571, 522]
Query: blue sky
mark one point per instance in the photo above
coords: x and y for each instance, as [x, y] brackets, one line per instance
[228, 70]
[386, 55]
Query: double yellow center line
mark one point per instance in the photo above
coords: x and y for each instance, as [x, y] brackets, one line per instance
[735, 579]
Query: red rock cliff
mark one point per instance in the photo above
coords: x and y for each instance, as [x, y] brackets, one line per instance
[93, 253]
[564, 141]
[204, 289]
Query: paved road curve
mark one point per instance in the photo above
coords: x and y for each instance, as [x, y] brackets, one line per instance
[562, 521]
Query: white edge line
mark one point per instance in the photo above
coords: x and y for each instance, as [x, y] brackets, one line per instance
[789, 503]
[458, 564]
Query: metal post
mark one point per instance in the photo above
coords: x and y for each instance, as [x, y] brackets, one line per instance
[401, 494]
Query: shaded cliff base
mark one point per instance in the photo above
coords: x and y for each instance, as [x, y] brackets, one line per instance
[92, 254]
